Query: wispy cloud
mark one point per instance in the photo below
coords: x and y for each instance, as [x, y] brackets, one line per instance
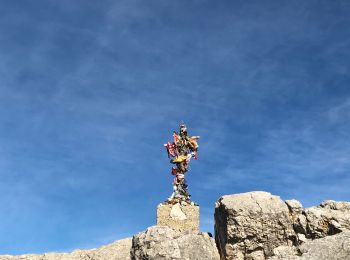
[89, 92]
[305, 154]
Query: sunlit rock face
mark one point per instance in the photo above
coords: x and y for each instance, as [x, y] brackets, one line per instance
[165, 243]
[330, 218]
[179, 217]
[250, 225]
[259, 225]
[119, 250]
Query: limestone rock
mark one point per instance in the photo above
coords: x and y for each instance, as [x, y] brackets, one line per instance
[251, 225]
[335, 247]
[285, 252]
[159, 242]
[331, 247]
[294, 206]
[178, 217]
[329, 218]
[298, 219]
[336, 205]
[258, 225]
[119, 250]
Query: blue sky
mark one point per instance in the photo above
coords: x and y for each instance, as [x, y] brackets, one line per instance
[90, 91]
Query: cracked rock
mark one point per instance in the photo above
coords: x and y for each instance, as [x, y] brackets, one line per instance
[251, 225]
[161, 242]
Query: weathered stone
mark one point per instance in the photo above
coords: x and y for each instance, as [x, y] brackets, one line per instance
[243, 231]
[335, 247]
[179, 217]
[119, 250]
[164, 243]
[331, 247]
[298, 219]
[336, 205]
[250, 225]
[329, 218]
[294, 206]
[285, 252]
[301, 238]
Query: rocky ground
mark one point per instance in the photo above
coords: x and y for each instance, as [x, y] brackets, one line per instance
[119, 250]
[157, 242]
[252, 226]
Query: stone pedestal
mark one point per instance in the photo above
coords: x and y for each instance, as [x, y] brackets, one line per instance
[179, 217]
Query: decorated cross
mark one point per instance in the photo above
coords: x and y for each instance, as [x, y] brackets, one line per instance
[181, 150]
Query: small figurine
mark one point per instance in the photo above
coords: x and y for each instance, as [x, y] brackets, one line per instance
[181, 151]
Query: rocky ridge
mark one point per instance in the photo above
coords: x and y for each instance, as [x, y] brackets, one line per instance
[118, 250]
[252, 226]
[157, 242]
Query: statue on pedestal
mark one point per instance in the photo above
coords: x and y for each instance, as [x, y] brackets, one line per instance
[181, 151]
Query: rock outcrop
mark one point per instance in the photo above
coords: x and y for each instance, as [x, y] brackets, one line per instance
[329, 218]
[258, 225]
[155, 243]
[251, 225]
[119, 250]
[164, 243]
[330, 247]
[335, 247]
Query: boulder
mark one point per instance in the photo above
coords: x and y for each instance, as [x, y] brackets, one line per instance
[251, 225]
[162, 242]
[329, 218]
[258, 225]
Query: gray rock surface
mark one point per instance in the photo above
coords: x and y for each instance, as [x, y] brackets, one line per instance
[258, 225]
[159, 242]
[155, 243]
[298, 219]
[251, 225]
[329, 218]
[335, 247]
[119, 250]
[294, 206]
[285, 253]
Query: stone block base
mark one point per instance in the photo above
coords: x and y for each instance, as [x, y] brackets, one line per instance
[179, 217]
